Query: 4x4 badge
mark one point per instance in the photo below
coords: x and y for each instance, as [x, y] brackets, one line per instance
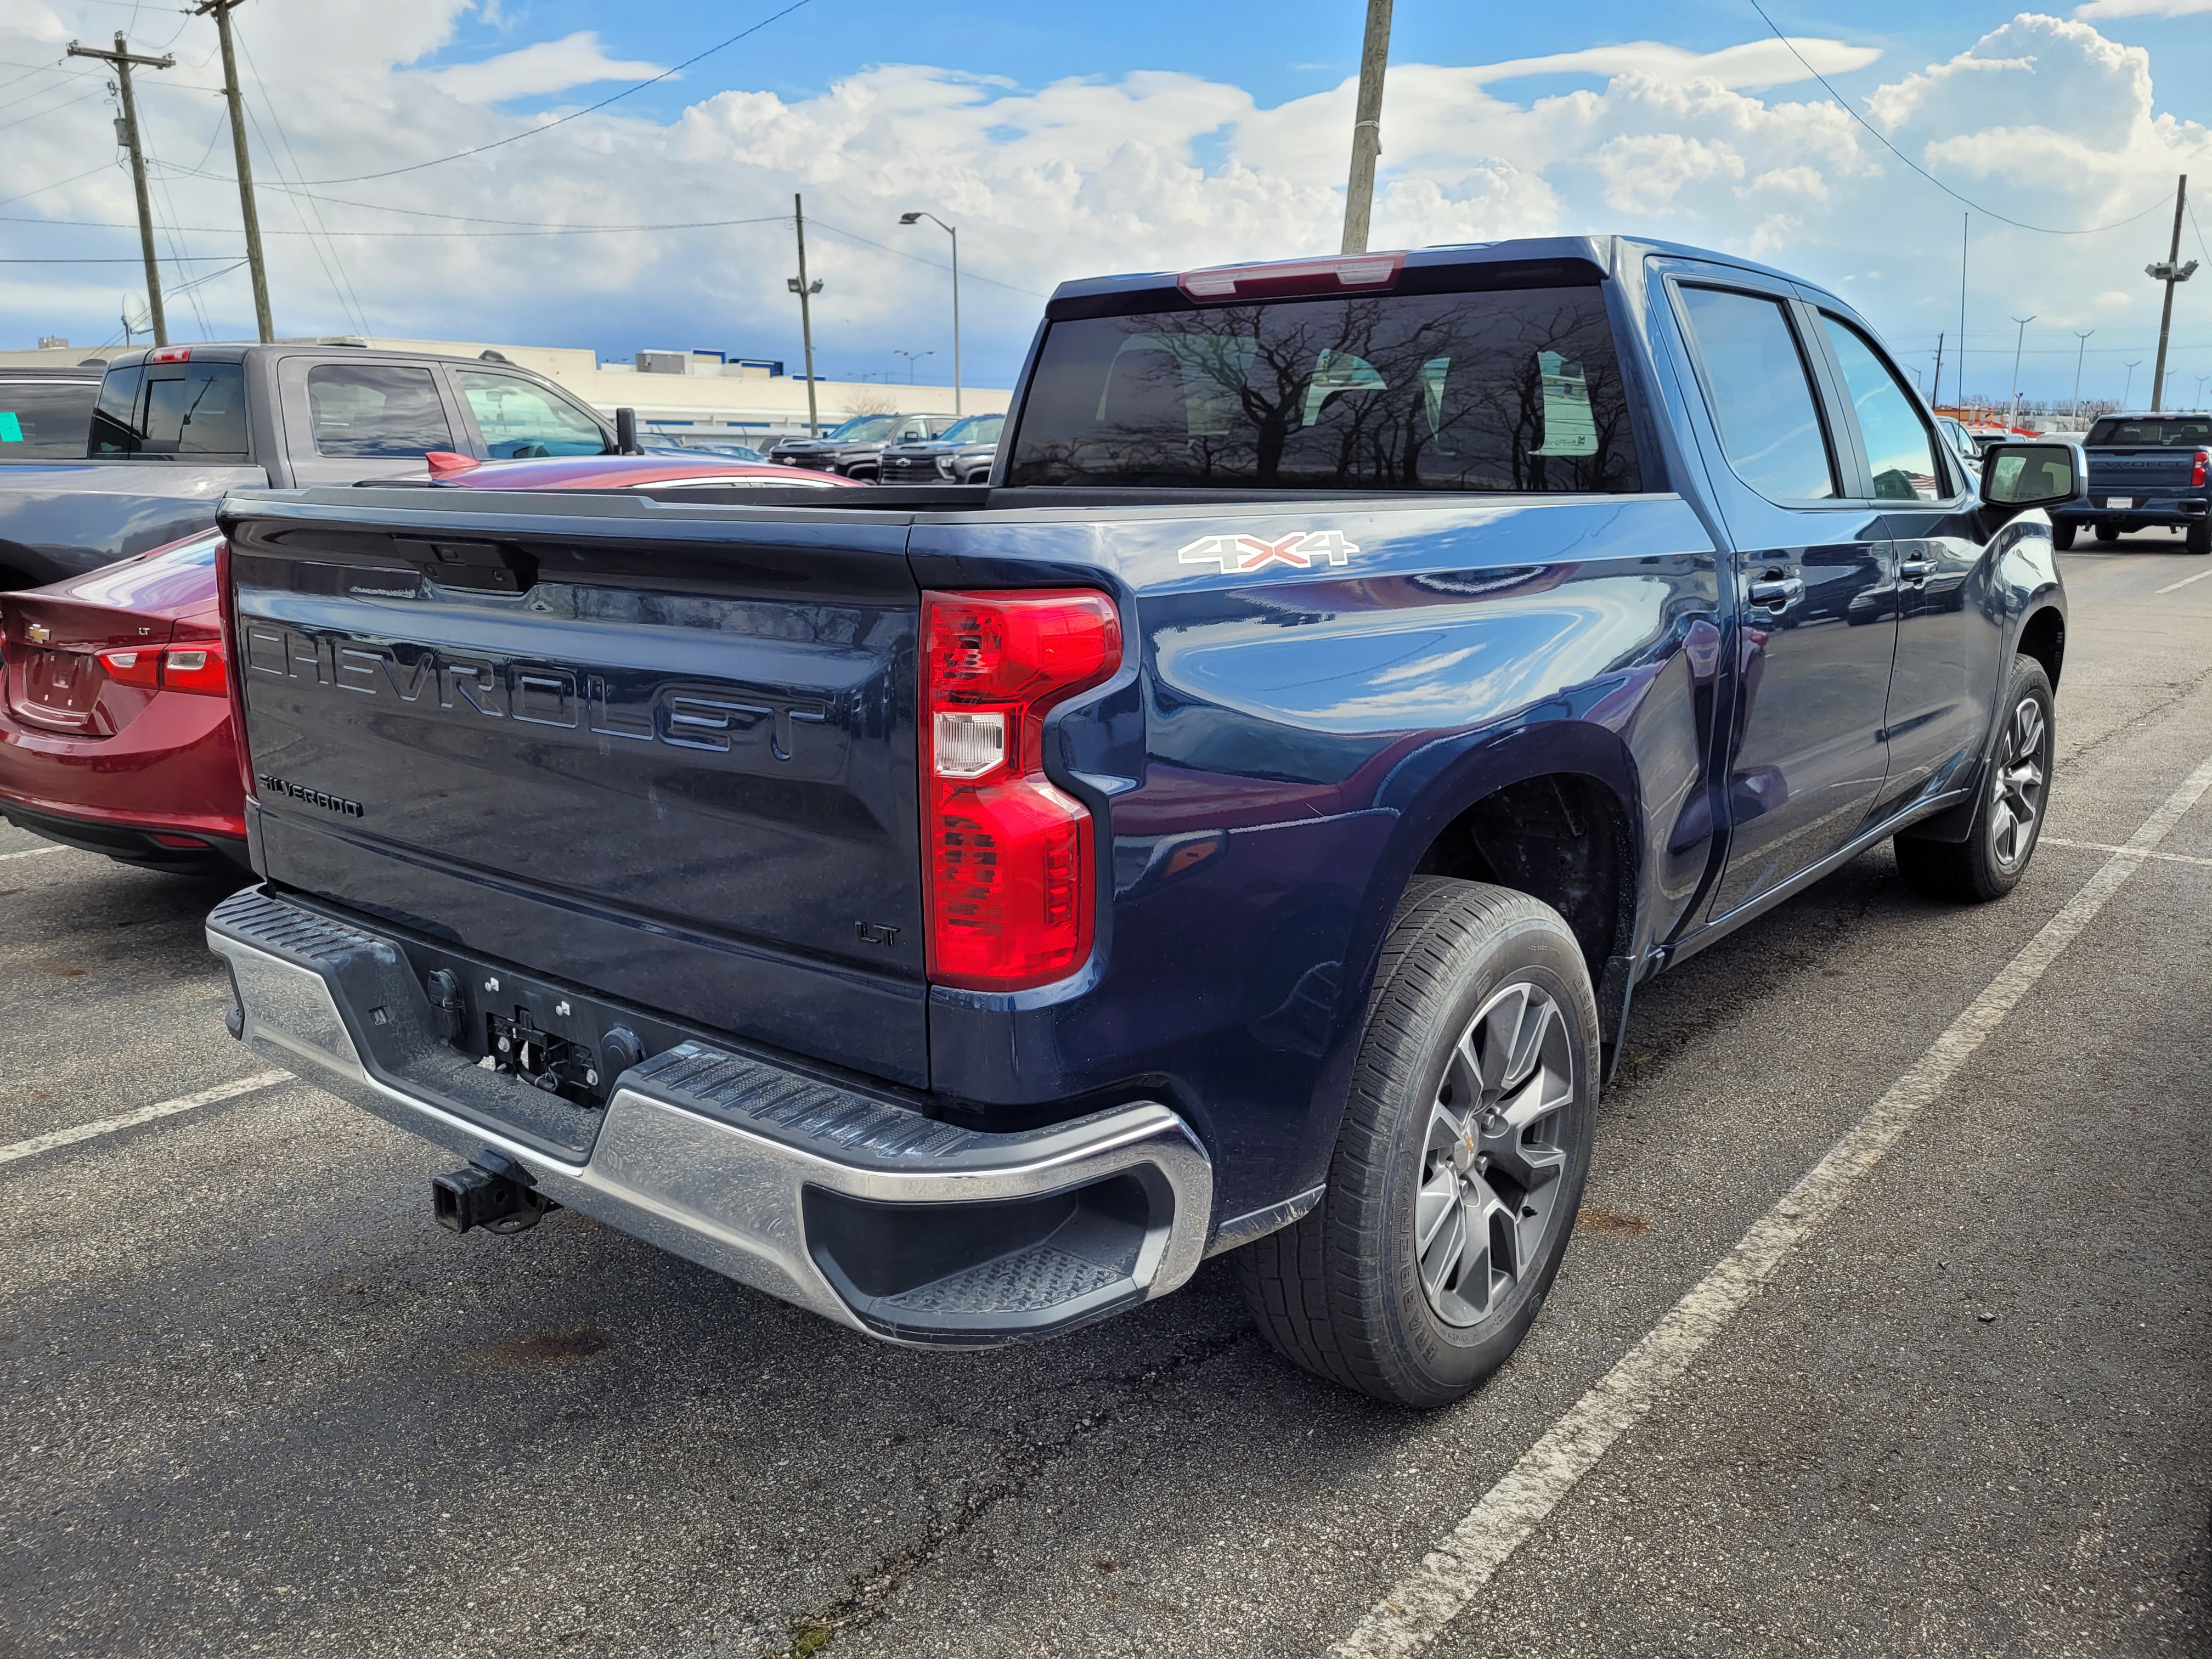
[1302, 549]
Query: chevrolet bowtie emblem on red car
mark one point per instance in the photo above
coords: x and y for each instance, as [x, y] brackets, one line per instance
[1302, 549]
[40, 633]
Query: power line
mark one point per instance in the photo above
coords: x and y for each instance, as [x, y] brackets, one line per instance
[42, 189]
[849, 236]
[545, 230]
[575, 115]
[1987, 213]
[341, 284]
[38, 115]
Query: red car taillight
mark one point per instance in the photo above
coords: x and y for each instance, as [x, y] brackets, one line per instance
[2196, 469]
[194, 668]
[1009, 861]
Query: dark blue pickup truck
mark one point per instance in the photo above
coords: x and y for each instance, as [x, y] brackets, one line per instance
[1241, 825]
[2145, 472]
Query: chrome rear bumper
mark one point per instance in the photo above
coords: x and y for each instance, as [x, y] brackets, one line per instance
[863, 1210]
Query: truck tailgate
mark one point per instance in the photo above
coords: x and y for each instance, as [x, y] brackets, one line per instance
[2151, 470]
[678, 771]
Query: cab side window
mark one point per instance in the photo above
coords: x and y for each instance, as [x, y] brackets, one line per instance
[521, 420]
[1900, 449]
[1762, 394]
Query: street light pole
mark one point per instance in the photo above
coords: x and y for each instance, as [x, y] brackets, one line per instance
[2125, 395]
[2012, 404]
[806, 291]
[912, 218]
[911, 357]
[2170, 273]
[2078, 351]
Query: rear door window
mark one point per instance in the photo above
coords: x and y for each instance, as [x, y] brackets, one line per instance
[376, 411]
[1899, 447]
[521, 420]
[46, 420]
[1761, 394]
[1507, 391]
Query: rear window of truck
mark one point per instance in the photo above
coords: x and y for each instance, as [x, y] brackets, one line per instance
[188, 408]
[1517, 390]
[2151, 433]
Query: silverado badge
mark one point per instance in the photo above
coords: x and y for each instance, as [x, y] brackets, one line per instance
[1302, 549]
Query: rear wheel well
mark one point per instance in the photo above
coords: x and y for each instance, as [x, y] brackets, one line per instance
[2043, 638]
[1563, 838]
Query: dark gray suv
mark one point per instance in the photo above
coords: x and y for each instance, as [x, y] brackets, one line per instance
[962, 453]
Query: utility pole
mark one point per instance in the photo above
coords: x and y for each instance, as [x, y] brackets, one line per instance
[800, 286]
[2078, 351]
[122, 59]
[1367, 127]
[1965, 219]
[2125, 395]
[1938, 396]
[2171, 272]
[2012, 404]
[916, 218]
[221, 10]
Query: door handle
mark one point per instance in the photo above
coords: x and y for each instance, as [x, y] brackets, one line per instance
[1916, 570]
[1777, 591]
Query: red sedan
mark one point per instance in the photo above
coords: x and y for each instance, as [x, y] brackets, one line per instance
[115, 714]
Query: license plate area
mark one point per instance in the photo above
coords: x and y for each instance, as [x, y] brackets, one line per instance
[60, 688]
[2120, 503]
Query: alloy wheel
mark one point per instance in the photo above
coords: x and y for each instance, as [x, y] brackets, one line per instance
[2016, 791]
[1491, 1164]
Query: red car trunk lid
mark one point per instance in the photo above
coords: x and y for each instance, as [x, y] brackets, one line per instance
[52, 635]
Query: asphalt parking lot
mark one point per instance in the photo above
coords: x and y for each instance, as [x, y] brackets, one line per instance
[255, 1402]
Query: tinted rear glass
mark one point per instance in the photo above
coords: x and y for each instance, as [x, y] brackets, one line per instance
[46, 420]
[2194, 432]
[172, 408]
[1515, 391]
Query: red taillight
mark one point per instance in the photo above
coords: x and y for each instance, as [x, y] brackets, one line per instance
[196, 668]
[199, 669]
[2196, 469]
[140, 666]
[1008, 857]
[170, 355]
[1348, 272]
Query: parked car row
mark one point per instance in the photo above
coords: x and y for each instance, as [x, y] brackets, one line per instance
[899, 448]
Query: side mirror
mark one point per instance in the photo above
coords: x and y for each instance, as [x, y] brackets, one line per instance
[2024, 475]
[626, 433]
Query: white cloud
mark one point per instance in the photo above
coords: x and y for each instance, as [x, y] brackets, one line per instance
[549, 66]
[2143, 7]
[2043, 120]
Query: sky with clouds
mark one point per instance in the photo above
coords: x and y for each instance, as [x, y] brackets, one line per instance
[1070, 140]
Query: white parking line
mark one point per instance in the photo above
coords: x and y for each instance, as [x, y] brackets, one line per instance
[2106, 846]
[108, 1126]
[33, 853]
[2184, 582]
[1427, 1599]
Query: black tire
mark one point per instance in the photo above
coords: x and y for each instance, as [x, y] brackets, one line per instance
[1978, 869]
[2062, 533]
[1343, 1291]
[2106, 533]
[2198, 539]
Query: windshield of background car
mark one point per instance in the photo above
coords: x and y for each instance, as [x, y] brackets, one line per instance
[376, 411]
[2150, 432]
[195, 410]
[523, 421]
[865, 429]
[976, 429]
[46, 420]
[1507, 390]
